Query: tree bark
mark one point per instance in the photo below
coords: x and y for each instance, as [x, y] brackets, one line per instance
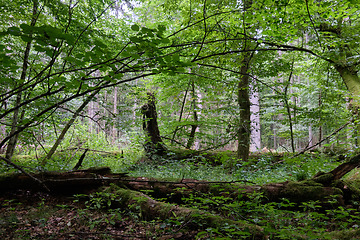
[255, 136]
[244, 131]
[352, 82]
[16, 119]
[320, 187]
[244, 107]
[195, 125]
[153, 143]
[114, 128]
[67, 127]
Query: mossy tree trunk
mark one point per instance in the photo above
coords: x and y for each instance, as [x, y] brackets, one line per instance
[244, 131]
[352, 82]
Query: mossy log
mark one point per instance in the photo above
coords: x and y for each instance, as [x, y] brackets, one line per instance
[152, 209]
[294, 191]
[90, 179]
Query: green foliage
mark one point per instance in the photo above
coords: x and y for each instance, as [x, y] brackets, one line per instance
[282, 220]
[265, 169]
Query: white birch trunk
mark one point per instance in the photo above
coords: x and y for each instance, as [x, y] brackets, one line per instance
[255, 142]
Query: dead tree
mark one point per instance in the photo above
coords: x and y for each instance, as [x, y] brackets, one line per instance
[153, 145]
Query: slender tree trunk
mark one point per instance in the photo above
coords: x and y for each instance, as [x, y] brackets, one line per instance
[181, 113]
[255, 144]
[289, 113]
[195, 125]
[114, 128]
[16, 118]
[67, 127]
[320, 127]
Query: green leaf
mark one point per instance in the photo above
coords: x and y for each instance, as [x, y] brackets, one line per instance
[136, 39]
[14, 31]
[26, 38]
[135, 28]
[26, 28]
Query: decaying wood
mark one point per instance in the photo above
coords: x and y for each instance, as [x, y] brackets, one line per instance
[346, 167]
[153, 144]
[91, 179]
[32, 178]
[152, 209]
[81, 159]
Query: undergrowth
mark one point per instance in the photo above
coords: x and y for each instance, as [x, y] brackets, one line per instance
[95, 212]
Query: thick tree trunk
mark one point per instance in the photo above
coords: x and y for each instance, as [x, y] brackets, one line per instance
[346, 167]
[153, 143]
[244, 131]
[244, 107]
[352, 82]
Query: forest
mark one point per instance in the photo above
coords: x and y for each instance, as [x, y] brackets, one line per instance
[180, 119]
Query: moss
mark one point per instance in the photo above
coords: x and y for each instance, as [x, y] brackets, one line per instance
[350, 234]
[354, 187]
[150, 209]
[324, 178]
[309, 182]
[307, 190]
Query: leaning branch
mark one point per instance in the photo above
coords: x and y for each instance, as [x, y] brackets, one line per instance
[26, 173]
[324, 139]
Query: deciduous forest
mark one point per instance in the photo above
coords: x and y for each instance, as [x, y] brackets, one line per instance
[180, 119]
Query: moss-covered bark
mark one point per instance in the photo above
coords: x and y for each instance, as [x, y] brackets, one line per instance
[152, 209]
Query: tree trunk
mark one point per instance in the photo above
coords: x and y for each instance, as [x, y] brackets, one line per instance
[181, 113]
[319, 187]
[244, 131]
[114, 128]
[289, 113]
[244, 107]
[153, 145]
[126, 189]
[195, 125]
[255, 143]
[16, 119]
[67, 127]
[352, 82]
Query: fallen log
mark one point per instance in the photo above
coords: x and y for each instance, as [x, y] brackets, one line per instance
[72, 182]
[151, 209]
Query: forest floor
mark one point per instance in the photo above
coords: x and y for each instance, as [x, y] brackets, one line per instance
[95, 214]
[36, 215]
